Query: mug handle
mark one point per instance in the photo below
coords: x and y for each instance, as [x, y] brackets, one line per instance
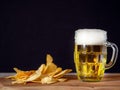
[114, 55]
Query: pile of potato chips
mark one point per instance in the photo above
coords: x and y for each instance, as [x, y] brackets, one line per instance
[46, 74]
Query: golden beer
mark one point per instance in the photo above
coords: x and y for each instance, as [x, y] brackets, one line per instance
[90, 61]
[90, 54]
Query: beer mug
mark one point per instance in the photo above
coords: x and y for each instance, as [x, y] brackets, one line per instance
[90, 54]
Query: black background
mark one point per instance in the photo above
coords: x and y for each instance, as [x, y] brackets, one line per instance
[31, 29]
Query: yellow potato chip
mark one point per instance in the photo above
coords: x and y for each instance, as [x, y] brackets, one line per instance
[48, 80]
[40, 69]
[59, 75]
[50, 66]
[17, 70]
[37, 75]
[59, 69]
[22, 74]
[21, 81]
[46, 74]
[62, 79]
[49, 59]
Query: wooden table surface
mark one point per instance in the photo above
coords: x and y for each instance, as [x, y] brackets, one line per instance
[111, 81]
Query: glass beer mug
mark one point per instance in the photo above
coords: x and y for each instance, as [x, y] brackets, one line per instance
[90, 54]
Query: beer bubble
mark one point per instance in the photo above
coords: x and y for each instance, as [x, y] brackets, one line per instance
[90, 37]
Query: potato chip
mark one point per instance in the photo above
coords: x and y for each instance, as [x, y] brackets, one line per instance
[48, 80]
[50, 66]
[59, 69]
[49, 59]
[62, 79]
[37, 74]
[22, 74]
[59, 75]
[46, 74]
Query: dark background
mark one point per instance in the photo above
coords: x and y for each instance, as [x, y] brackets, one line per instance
[31, 29]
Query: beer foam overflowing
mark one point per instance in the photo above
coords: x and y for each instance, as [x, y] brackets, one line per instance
[90, 36]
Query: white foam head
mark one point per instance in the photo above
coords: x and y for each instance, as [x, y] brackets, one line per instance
[90, 36]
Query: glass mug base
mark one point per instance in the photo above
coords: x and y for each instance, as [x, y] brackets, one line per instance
[90, 79]
[93, 78]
